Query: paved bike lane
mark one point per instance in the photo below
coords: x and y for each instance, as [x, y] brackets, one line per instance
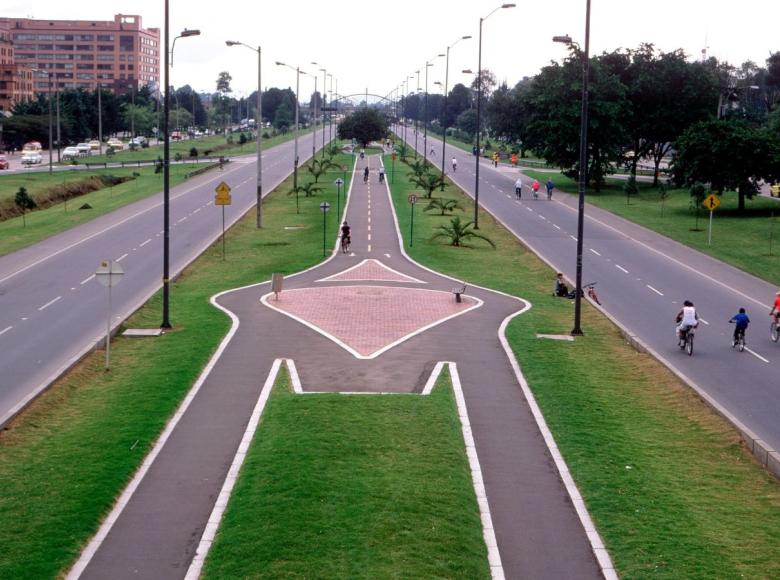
[367, 321]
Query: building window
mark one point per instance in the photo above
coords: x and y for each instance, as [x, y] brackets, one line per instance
[106, 48]
[105, 37]
[63, 47]
[104, 57]
[83, 67]
[84, 47]
[104, 67]
[84, 37]
[126, 43]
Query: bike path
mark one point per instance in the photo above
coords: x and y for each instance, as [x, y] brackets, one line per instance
[538, 530]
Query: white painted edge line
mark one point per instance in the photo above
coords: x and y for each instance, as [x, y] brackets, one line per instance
[654, 290]
[87, 279]
[754, 353]
[142, 244]
[212, 525]
[264, 300]
[406, 277]
[6, 329]
[49, 303]
[594, 251]
[621, 268]
[96, 541]
[488, 532]
[596, 543]
[433, 378]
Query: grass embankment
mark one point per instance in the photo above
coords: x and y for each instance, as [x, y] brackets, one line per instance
[68, 456]
[41, 224]
[202, 144]
[741, 239]
[668, 483]
[341, 486]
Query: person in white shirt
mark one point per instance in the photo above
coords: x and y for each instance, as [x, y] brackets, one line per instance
[519, 188]
[454, 165]
[687, 318]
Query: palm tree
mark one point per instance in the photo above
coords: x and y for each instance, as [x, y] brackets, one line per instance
[307, 189]
[444, 205]
[319, 166]
[459, 232]
[428, 182]
[418, 168]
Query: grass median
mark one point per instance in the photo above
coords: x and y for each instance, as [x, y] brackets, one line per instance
[668, 483]
[338, 486]
[749, 239]
[65, 459]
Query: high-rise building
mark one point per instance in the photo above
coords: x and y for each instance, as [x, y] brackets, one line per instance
[119, 55]
[16, 82]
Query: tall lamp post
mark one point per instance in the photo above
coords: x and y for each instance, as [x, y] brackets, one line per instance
[322, 113]
[259, 124]
[417, 113]
[428, 64]
[479, 112]
[583, 173]
[166, 321]
[444, 112]
[298, 72]
[51, 130]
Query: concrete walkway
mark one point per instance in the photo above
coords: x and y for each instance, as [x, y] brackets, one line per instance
[394, 321]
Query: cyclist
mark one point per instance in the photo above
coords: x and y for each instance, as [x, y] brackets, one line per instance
[686, 319]
[776, 308]
[362, 153]
[741, 322]
[365, 174]
[535, 187]
[381, 175]
[549, 185]
[454, 165]
[519, 188]
[346, 237]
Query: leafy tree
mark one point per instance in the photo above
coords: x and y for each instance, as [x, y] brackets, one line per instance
[458, 100]
[443, 205]
[142, 117]
[364, 125]
[730, 155]
[319, 166]
[467, 122]
[630, 188]
[283, 117]
[413, 107]
[25, 203]
[459, 232]
[223, 102]
[272, 100]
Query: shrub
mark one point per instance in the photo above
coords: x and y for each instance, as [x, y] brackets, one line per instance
[207, 152]
[193, 151]
[266, 135]
[242, 139]
[178, 156]
[110, 151]
[144, 144]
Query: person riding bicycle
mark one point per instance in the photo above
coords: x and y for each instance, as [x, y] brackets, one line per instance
[686, 319]
[741, 322]
[549, 185]
[362, 153]
[365, 174]
[519, 188]
[381, 175]
[346, 235]
[776, 308]
[454, 165]
[535, 187]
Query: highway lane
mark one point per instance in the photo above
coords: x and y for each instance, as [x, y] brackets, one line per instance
[52, 310]
[643, 279]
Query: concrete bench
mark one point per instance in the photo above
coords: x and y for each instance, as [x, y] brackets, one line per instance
[458, 291]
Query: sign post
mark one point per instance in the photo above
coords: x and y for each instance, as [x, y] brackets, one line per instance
[324, 206]
[223, 198]
[339, 182]
[412, 201]
[392, 170]
[109, 274]
[711, 202]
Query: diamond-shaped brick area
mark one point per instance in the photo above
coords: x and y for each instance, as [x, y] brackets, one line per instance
[370, 270]
[369, 318]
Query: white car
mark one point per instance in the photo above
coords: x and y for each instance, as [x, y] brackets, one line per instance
[71, 153]
[116, 144]
[31, 158]
[84, 148]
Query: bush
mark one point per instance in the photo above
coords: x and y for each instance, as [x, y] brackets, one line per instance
[207, 152]
[193, 151]
[178, 156]
[230, 139]
[158, 165]
[144, 144]
[266, 135]
[242, 139]
[110, 151]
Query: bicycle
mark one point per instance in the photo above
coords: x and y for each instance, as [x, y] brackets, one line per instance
[592, 292]
[345, 243]
[365, 177]
[774, 329]
[686, 340]
[738, 341]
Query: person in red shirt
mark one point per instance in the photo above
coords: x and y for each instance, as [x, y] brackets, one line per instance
[776, 308]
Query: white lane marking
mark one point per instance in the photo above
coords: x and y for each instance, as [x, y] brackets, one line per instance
[595, 252]
[369, 237]
[197, 210]
[704, 321]
[654, 290]
[387, 255]
[621, 268]
[210, 203]
[572, 237]
[6, 329]
[556, 227]
[73, 288]
[122, 257]
[528, 208]
[181, 220]
[144, 243]
[369, 247]
[49, 303]
[755, 354]
[85, 280]
[369, 228]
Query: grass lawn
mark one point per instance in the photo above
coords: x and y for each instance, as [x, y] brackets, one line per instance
[41, 224]
[68, 456]
[668, 483]
[341, 486]
[741, 239]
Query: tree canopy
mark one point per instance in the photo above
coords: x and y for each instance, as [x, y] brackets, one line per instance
[364, 125]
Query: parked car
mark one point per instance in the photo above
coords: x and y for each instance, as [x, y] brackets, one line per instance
[71, 153]
[32, 146]
[4, 164]
[84, 148]
[32, 158]
[116, 144]
[774, 190]
[139, 141]
[176, 136]
[94, 145]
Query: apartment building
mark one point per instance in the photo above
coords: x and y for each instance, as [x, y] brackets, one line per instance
[120, 54]
[16, 81]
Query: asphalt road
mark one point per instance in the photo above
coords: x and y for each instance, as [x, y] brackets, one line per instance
[643, 278]
[52, 310]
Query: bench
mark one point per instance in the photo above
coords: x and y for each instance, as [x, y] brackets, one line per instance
[458, 291]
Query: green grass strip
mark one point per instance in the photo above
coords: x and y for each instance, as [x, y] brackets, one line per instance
[669, 484]
[742, 239]
[338, 486]
[68, 456]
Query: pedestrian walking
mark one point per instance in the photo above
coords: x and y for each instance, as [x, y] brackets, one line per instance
[514, 159]
[549, 185]
[454, 165]
[495, 159]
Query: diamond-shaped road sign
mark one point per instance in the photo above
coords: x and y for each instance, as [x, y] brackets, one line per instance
[711, 202]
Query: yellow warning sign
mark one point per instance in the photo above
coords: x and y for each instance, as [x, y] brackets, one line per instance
[223, 198]
[711, 202]
[222, 189]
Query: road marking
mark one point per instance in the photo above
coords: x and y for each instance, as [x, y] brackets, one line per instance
[528, 208]
[182, 219]
[621, 268]
[369, 247]
[369, 237]
[6, 329]
[755, 354]
[209, 203]
[595, 252]
[122, 257]
[197, 210]
[556, 227]
[572, 237]
[49, 303]
[73, 288]
[654, 290]
[704, 321]
[144, 243]
[85, 280]
[387, 255]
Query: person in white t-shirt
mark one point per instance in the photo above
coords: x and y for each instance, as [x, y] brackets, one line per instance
[687, 318]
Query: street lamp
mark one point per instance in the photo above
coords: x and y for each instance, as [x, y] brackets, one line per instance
[444, 113]
[583, 169]
[259, 124]
[428, 64]
[417, 112]
[166, 321]
[479, 112]
[48, 79]
[298, 72]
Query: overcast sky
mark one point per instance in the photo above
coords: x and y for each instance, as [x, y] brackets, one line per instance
[375, 45]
